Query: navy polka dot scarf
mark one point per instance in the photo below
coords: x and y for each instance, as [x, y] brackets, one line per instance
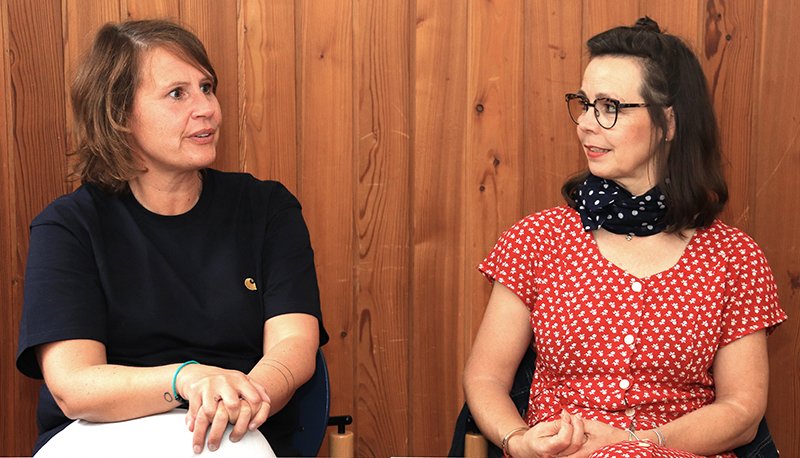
[604, 203]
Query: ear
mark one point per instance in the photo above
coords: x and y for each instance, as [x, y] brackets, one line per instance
[670, 115]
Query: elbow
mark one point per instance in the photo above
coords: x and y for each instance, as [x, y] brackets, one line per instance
[750, 432]
[70, 406]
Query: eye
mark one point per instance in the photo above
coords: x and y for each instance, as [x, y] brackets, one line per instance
[176, 93]
[207, 88]
[606, 106]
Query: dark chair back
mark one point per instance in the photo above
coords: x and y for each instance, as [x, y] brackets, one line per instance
[299, 428]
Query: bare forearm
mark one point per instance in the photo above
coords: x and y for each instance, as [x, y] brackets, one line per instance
[106, 392]
[491, 407]
[283, 369]
[712, 429]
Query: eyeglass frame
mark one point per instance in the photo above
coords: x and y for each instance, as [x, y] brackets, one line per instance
[617, 105]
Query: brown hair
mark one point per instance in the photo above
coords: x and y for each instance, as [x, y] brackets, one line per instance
[690, 169]
[103, 92]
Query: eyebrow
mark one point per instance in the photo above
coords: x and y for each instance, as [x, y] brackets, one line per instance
[187, 83]
[601, 95]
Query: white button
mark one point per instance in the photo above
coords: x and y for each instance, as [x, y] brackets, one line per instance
[624, 384]
[636, 286]
[643, 444]
[630, 411]
[629, 339]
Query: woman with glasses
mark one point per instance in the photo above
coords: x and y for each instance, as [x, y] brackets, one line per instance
[648, 314]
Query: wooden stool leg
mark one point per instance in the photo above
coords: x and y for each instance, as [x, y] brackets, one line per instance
[341, 445]
[475, 446]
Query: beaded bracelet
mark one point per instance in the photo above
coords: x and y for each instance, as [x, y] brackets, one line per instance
[175, 378]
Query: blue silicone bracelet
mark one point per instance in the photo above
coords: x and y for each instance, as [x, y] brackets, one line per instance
[175, 378]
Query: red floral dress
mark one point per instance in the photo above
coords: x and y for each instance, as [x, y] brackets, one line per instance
[630, 352]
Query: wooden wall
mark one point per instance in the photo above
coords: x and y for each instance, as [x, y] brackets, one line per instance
[413, 133]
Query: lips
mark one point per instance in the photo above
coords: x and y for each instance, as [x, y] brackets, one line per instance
[595, 151]
[204, 133]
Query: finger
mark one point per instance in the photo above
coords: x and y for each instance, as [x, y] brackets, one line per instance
[253, 392]
[240, 427]
[199, 428]
[217, 429]
[195, 403]
[232, 406]
[577, 438]
[260, 415]
[561, 441]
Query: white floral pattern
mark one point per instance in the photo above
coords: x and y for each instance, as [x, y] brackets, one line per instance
[630, 352]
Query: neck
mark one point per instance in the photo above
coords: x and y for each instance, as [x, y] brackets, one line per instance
[167, 196]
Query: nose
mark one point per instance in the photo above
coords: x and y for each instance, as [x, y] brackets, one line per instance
[587, 121]
[205, 105]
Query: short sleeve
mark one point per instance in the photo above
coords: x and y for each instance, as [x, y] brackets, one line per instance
[62, 297]
[513, 260]
[752, 296]
[288, 261]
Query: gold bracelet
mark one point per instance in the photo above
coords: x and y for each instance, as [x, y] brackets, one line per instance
[507, 437]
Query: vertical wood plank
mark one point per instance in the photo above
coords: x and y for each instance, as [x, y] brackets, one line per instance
[494, 139]
[776, 164]
[215, 23]
[600, 15]
[152, 9]
[438, 340]
[553, 53]
[35, 79]
[17, 393]
[382, 87]
[267, 100]
[684, 19]
[728, 57]
[437, 336]
[326, 176]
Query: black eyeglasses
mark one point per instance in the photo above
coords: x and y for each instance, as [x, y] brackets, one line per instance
[605, 109]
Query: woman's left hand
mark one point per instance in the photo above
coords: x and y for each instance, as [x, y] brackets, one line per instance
[242, 417]
[598, 435]
[218, 397]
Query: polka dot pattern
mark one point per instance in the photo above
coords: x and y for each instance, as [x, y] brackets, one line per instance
[628, 351]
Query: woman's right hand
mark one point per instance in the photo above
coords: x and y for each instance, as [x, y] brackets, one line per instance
[218, 397]
[550, 439]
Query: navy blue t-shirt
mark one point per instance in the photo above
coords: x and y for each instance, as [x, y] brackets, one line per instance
[160, 289]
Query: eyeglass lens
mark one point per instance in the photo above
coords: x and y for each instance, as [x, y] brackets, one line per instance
[604, 110]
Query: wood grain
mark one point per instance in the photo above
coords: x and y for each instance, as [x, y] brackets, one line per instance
[776, 165]
[37, 141]
[382, 223]
[438, 341]
[268, 91]
[145, 9]
[326, 131]
[728, 60]
[494, 163]
[553, 53]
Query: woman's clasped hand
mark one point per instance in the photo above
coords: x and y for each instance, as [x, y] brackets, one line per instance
[218, 397]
